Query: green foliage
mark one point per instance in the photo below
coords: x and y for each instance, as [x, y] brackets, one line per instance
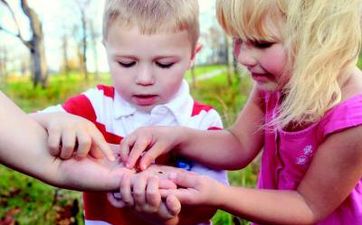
[30, 201]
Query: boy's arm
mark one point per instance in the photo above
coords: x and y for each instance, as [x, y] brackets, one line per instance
[23, 146]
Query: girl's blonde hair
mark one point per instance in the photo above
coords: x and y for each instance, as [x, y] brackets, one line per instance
[154, 16]
[322, 39]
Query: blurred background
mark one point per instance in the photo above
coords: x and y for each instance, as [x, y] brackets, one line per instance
[51, 50]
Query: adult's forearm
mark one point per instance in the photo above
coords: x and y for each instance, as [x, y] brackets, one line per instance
[23, 142]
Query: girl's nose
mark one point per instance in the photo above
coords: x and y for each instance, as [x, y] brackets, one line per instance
[246, 56]
[145, 77]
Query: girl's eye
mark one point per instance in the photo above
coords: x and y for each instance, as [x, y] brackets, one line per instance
[164, 65]
[262, 44]
[126, 64]
[237, 42]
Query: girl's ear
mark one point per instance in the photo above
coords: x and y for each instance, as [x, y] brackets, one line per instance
[197, 49]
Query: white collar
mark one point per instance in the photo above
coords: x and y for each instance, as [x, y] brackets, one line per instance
[180, 105]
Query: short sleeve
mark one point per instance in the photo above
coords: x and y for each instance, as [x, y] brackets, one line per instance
[345, 115]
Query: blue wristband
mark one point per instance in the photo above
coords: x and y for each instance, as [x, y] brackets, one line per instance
[184, 164]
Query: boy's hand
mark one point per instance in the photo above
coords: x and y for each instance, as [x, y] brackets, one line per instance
[71, 135]
[142, 191]
[147, 143]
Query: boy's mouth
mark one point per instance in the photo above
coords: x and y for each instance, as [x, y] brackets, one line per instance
[144, 100]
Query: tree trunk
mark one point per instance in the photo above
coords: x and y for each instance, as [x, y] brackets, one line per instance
[65, 67]
[94, 35]
[193, 77]
[229, 56]
[36, 47]
[84, 45]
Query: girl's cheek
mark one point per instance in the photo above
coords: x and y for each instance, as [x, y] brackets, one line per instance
[236, 47]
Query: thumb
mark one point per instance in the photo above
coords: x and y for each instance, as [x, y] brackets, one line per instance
[184, 179]
[166, 184]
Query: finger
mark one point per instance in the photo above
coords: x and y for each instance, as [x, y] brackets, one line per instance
[173, 205]
[139, 190]
[100, 142]
[153, 196]
[164, 213]
[138, 148]
[185, 196]
[151, 155]
[185, 179]
[95, 152]
[68, 144]
[166, 184]
[54, 142]
[125, 147]
[115, 201]
[125, 190]
[84, 144]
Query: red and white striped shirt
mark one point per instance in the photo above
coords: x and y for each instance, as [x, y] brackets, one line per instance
[116, 118]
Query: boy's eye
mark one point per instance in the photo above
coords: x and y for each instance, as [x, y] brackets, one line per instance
[126, 64]
[164, 65]
[262, 44]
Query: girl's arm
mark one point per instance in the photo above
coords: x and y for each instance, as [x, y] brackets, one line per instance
[334, 172]
[233, 148]
[23, 146]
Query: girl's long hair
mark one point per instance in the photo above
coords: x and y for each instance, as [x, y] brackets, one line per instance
[322, 40]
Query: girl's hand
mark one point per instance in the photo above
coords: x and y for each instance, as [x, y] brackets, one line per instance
[71, 135]
[147, 143]
[194, 189]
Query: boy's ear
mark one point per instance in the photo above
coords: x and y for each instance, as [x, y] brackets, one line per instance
[197, 49]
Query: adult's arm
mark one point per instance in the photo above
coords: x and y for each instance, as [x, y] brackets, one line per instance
[23, 147]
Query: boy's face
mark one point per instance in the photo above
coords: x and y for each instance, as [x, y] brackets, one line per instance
[147, 70]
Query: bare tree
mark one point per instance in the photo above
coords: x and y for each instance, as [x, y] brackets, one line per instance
[65, 65]
[229, 58]
[4, 60]
[94, 36]
[35, 44]
[83, 6]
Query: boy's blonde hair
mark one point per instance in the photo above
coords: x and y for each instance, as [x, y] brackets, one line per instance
[154, 16]
[322, 40]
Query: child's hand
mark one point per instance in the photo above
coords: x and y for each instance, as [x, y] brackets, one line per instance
[194, 189]
[71, 135]
[141, 191]
[147, 143]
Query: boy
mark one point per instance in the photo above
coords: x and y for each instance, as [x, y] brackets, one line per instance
[149, 44]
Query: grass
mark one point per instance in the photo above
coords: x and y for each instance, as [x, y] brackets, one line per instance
[28, 201]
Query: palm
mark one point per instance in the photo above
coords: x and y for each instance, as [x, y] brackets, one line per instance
[93, 174]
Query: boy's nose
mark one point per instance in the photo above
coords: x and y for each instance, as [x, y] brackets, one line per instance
[145, 77]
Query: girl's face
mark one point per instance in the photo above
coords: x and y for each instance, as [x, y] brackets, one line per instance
[266, 62]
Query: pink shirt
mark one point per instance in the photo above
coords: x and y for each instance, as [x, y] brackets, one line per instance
[287, 155]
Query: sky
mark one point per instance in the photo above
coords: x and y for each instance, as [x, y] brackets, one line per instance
[57, 16]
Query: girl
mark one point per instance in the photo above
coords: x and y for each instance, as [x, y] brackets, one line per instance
[304, 115]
